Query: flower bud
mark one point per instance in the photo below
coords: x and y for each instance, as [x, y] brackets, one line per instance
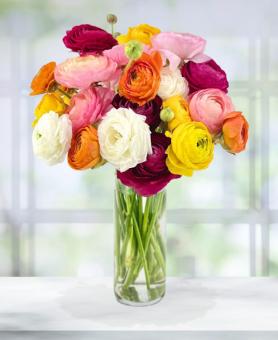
[133, 49]
[166, 114]
[111, 19]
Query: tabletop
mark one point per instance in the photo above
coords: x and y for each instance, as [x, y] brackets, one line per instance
[88, 304]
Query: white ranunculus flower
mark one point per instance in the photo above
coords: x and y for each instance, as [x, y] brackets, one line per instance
[52, 137]
[124, 138]
[172, 84]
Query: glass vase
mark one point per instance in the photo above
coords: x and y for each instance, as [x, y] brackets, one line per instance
[140, 265]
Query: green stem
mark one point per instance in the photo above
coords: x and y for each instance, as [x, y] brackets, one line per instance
[140, 210]
[142, 252]
[134, 272]
[158, 253]
[146, 216]
[64, 93]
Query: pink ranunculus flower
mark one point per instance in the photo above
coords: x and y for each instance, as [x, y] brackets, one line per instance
[185, 45]
[89, 106]
[117, 54]
[81, 72]
[210, 106]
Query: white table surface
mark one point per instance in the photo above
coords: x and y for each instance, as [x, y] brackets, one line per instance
[67, 304]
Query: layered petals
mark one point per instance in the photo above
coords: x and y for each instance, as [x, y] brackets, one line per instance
[140, 82]
[191, 149]
[179, 106]
[185, 45]
[87, 39]
[89, 106]
[44, 79]
[151, 110]
[205, 75]
[84, 152]
[142, 33]
[151, 176]
[210, 106]
[235, 132]
[81, 72]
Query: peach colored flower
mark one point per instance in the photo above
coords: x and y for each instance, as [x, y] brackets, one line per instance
[81, 72]
[210, 106]
[84, 152]
[235, 132]
[44, 79]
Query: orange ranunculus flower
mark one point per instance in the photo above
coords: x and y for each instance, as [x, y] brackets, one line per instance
[84, 152]
[235, 132]
[43, 79]
[139, 83]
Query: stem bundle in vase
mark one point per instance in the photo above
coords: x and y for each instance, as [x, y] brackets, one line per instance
[139, 245]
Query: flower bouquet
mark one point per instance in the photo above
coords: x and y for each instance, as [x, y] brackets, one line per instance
[154, 106]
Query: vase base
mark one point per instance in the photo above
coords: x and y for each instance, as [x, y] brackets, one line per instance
[138, 295]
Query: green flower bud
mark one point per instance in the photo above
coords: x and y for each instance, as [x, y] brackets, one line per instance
[133, 49]
[166, 114]
[111, 18]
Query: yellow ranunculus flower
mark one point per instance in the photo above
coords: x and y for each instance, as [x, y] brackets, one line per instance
[49, 102]
[142, 33]
[191, 149]
[179, 107]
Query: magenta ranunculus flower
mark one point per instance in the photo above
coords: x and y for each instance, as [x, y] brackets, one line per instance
[86, 39]
[210, 106]
[185, 45]
[205, 75]
[151, 176]
[89, 106]
[81, 72]
[151, 110]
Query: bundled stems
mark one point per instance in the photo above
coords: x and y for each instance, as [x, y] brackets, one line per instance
[139, 246]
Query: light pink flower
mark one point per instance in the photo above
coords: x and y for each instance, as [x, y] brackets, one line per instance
[81, 72]
[210, 106]
[184, 45]
[89, 106]
[169, 59]
[117, 54]
[113, 83]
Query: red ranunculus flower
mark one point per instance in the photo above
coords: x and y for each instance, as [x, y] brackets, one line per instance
[204, 76]
[151, 110]
[86, 39]
[151, 176]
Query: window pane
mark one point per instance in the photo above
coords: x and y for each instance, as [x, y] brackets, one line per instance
[6, 154]
[273, 258]
[273, 159]
[5, 58]
[5, 249]
[273, 65]
[208, 249]
[74, 249]
[60, 187]
[231, 54]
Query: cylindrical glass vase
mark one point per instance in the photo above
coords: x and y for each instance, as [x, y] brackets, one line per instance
[140, 264]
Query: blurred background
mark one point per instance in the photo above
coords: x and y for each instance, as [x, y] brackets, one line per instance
[221, 222]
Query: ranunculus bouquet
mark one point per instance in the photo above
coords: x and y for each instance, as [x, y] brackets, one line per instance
[151, 104]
